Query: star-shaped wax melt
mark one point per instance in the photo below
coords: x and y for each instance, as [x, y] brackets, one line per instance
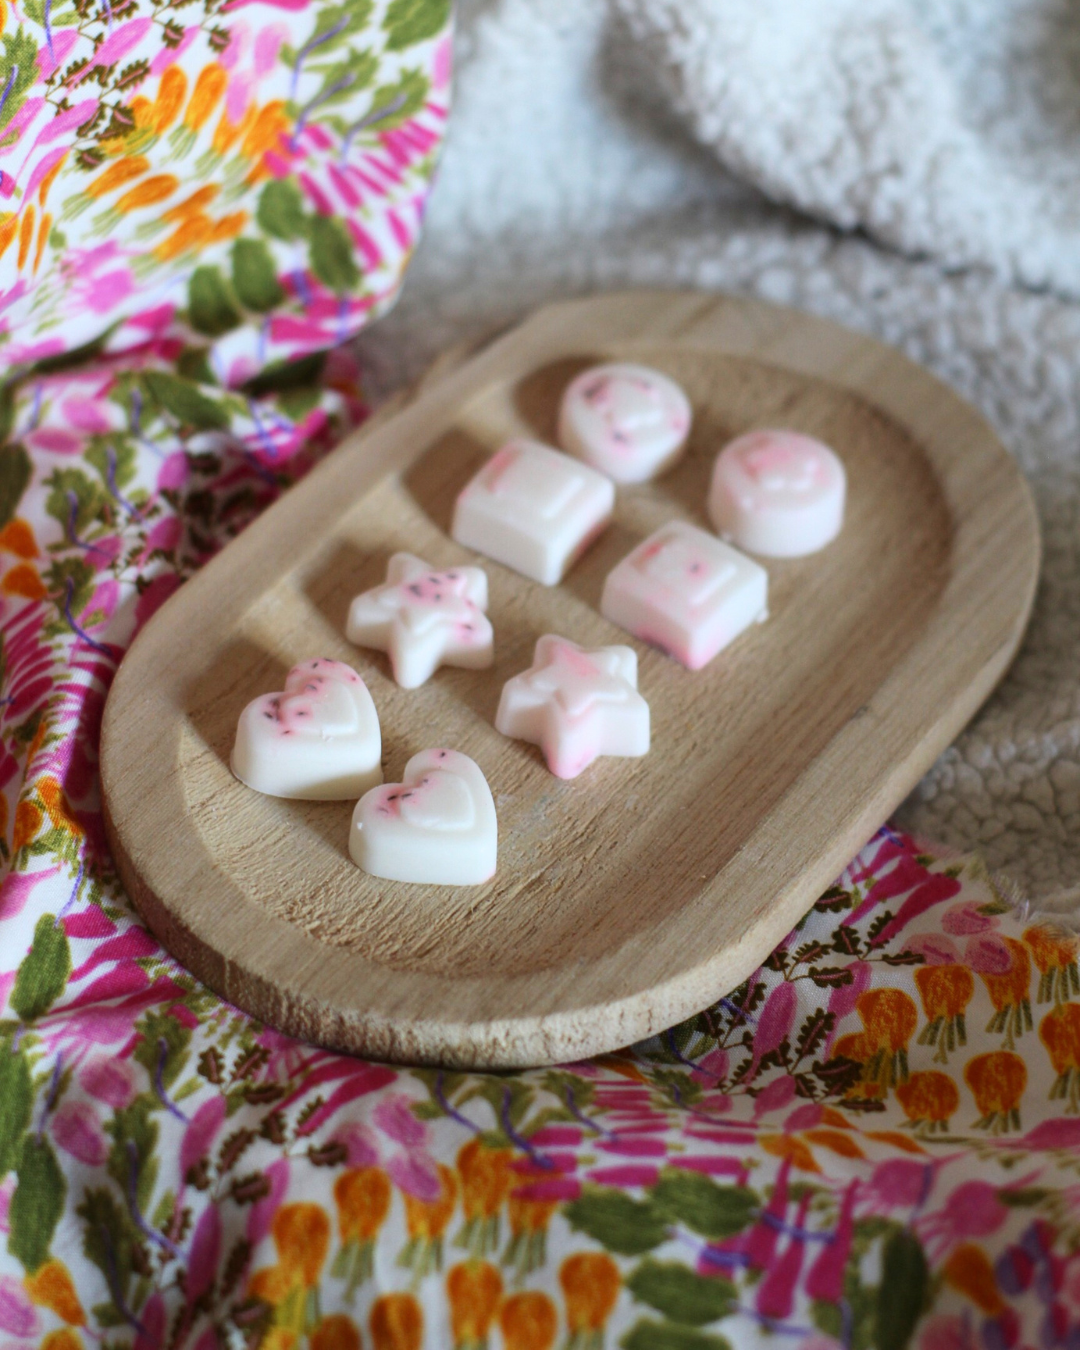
[576, 705]
[424, 619]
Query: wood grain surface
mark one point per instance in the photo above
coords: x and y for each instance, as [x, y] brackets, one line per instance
[636, 894]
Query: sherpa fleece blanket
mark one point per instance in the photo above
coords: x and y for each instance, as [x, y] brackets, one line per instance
[872, 1142]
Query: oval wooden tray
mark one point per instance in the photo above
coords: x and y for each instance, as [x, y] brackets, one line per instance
[636, 894]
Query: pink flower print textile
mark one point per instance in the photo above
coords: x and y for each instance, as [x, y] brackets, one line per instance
[249, 176]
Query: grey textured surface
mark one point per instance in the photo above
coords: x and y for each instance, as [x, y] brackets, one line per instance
[907, 167]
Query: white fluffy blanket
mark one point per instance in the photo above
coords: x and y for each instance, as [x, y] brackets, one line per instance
[908, 167]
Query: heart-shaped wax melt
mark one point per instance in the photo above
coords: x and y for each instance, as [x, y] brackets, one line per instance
[319, 707]
[441, 801]
[317, 739]
[438, 826]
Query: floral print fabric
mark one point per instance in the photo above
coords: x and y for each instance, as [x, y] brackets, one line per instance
[872, 1143]
[249, 171]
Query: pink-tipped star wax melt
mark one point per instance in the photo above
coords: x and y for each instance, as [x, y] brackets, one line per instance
[626, 420]
[576, 705]
[534, 509]
[424, 619]
[778, 494]
[684, 591]
[318, 739]
[437, 827]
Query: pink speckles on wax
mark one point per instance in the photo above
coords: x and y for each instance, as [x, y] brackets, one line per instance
[684, 591]
[319, 738]
[626, 420]
[424, 619]
[533, 509]
[436, 827]
[576, 704]
[778, 493]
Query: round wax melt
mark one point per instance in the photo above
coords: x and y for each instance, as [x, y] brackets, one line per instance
[777, 493]
[628, 421]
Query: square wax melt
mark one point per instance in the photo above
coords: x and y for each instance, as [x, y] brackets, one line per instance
[534, 509]
[685, 591]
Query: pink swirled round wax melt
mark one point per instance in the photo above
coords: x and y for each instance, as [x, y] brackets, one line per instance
[778, 493]
[626, 420]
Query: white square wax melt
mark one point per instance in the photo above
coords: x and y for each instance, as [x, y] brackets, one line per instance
[685, 591]
[533, 509]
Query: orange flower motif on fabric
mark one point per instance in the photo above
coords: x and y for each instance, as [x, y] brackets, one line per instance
[206, 95]
[123, 171]
[301, 1234]
[56, 804]
[969, 1271]
[889, 1017]
[28, 820]
[426, 1221]
[928, 1100]
[1055, 951]
[997, 1082]
[363, 1197]
[527, 1248]
[789, 1146]
[157, 188]
[51, 1287]
[528, 1321]
[336, 1332]
[590, 1284]
[835, 1141]
[18, 537]
[396, 1322]
[64, 1339]
[945, 991]
[486, 1179]
[1059, 1031]
[1010, 994]
[473, 1290]
[24, 580]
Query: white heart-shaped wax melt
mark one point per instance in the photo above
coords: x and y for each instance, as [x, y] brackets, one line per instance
[440, 801]
[319, 707]
[437, 827]
[318, 739]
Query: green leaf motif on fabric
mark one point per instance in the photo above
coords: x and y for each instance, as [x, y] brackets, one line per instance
[254, 276]
[43, 972]
[697, 1201]
[16, 1102]
[332, 254]
[648, 1335]
[18, 71]
[392, 104]
[617, 1221]
[162, 1048]
[74, 577]
[114, 458]
[14, 476]
[902, 1293]
[108, 1239]
[37, 1203]
[210, 306]
[411, 21]
[185, 401]
[287, 376]
[681, 1294]
[337, 23]
[281, 210]
[75, 500]
[345, 78]
[131, 1159]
